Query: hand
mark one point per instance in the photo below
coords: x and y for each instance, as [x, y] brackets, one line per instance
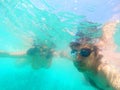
[63, 54]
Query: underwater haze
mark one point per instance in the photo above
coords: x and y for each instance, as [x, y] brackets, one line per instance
[57, 21]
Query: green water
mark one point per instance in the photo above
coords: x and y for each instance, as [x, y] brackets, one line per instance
[21, 22]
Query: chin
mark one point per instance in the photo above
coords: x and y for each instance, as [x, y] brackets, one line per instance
[82, 69]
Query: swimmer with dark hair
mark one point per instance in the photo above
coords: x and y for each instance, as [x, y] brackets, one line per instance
[98, 61]
[39, 56]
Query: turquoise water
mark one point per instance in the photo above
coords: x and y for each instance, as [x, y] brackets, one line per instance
[24, 21]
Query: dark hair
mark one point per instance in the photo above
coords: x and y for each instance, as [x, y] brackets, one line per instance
[74, 44]
[32, 51]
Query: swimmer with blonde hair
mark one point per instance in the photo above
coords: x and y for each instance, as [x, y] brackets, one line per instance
[98, 61]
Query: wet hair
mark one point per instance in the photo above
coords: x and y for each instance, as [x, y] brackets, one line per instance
[74, 44]
[32, 51]
[88, 32]
[40, 49]
[80, 41]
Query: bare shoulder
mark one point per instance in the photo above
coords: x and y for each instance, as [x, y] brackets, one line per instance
[112, 57]
[111, 74]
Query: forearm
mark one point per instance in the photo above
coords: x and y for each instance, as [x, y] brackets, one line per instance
[109, 30]
[12, 54]
[4, 54]
[62, 54]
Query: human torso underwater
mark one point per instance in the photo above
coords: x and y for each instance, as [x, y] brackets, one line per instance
[39, 59]
[97, 80]
[107, 76]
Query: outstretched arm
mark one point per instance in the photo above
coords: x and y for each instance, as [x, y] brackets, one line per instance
[107, 39]
[12, 54]
[63, 54]
[109, 30]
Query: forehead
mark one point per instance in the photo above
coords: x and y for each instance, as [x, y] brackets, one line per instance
[86, 45]
[79, 46]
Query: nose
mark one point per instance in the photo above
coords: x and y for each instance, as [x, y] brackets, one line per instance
[79, 58]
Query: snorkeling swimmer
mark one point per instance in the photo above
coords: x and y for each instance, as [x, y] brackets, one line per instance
[37, 56]
[97, 60]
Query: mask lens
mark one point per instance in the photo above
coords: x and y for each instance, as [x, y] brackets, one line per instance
[85, 52]
[73, 52]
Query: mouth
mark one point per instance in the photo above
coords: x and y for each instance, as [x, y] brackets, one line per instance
[80, 66]
[79, 63]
